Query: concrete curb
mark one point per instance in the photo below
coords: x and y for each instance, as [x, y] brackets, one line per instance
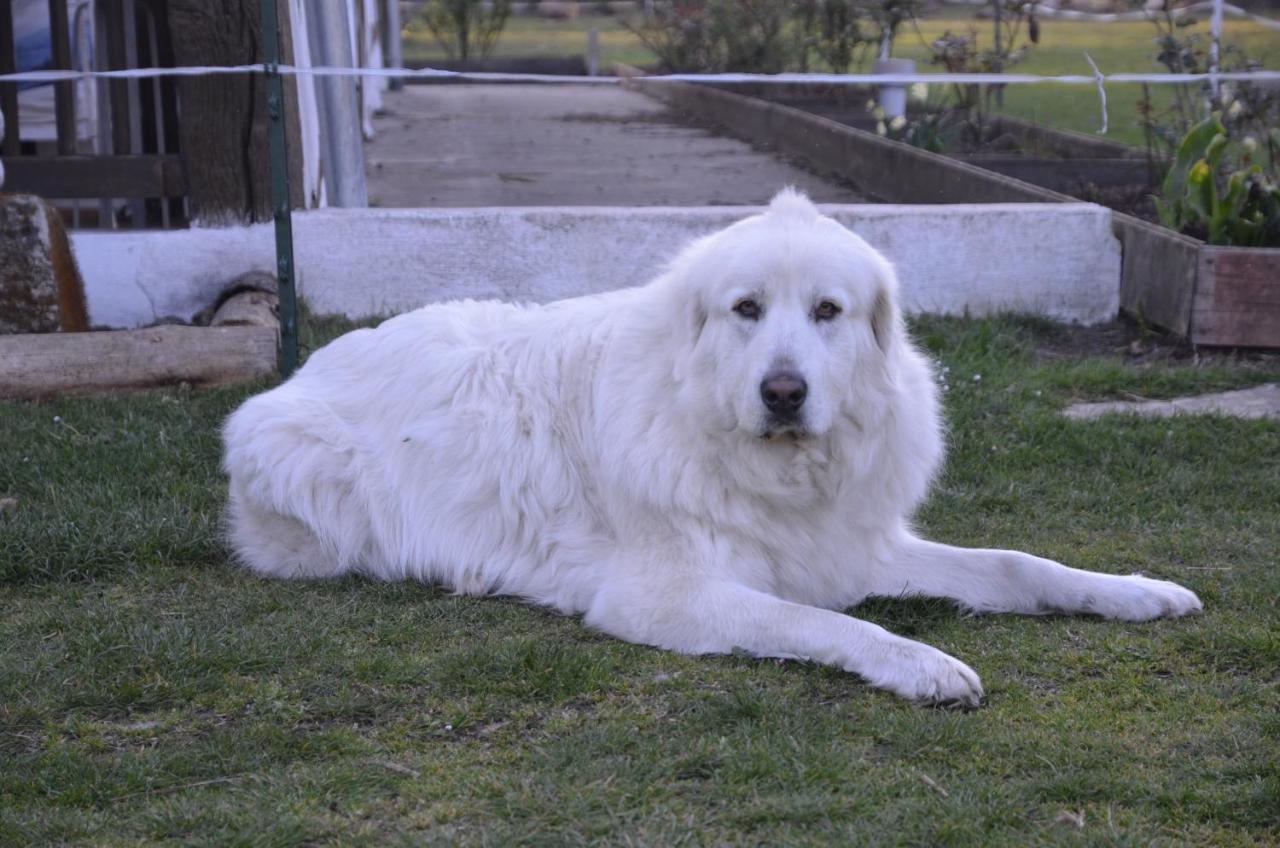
[1058, 260]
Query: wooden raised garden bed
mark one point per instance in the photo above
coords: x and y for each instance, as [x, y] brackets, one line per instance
[1223, 296]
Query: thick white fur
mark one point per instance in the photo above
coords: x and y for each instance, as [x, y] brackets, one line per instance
[612, 456]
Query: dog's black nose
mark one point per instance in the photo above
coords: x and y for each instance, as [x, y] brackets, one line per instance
[783, 392]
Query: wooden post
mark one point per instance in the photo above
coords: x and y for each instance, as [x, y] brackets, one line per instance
[8, 90]
[223, 125]
[64, 93]
[280, 195]
[341, 134]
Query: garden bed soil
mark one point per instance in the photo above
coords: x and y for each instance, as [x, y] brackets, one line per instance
[1091, 169]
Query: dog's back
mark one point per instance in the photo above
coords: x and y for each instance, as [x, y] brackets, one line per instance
[444, 445]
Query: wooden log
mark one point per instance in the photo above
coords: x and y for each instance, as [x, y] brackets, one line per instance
[54, 363]
[223, 126]
[248, 308]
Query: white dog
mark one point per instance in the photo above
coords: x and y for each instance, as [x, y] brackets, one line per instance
[724, 458]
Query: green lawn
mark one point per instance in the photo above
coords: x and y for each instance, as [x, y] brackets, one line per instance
[1116, 47]
[151, 691]
[528, 35]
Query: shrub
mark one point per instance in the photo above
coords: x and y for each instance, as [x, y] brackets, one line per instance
[466, 28]
[833, 29]
[714, 36]
[961, 54]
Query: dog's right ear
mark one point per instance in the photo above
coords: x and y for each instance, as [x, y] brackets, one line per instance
[692, 321]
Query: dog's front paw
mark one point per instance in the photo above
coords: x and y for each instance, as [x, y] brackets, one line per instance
[1136, 598]
[926, 675]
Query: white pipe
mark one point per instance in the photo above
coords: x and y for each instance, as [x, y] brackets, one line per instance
[394, 51]
[1215, 47]
[342, 150]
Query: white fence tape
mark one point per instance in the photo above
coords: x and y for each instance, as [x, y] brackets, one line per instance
[49, 76]
[1096, 79]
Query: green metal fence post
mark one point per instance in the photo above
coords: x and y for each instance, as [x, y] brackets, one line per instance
[280, 189]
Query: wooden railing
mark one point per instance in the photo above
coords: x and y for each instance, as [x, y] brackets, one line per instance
[130, 173]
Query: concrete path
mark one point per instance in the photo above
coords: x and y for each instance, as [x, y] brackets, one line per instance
[1259, 402]
[564, 145]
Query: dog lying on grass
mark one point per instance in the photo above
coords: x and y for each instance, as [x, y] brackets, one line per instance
[724, 458]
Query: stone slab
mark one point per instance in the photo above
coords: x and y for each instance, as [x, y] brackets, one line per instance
[1258, 402]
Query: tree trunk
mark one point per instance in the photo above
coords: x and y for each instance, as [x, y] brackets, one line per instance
[223, 128]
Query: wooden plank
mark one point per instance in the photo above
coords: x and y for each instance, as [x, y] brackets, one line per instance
[42, 364]
[1237, 299]
[144, 175]
[223, 126]
[63, 92]
[1158, 273]
[8, 91]
[118, 88]
[1065, 175]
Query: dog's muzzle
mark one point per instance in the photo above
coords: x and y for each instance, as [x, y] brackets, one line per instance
[783, 393]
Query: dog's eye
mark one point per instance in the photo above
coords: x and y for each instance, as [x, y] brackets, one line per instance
[747, 308]
[825, 311]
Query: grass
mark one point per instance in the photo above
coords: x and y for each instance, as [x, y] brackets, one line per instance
[1116, 47]
[150, 691]
[530, 35]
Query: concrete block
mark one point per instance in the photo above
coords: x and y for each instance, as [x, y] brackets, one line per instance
[1057, 259]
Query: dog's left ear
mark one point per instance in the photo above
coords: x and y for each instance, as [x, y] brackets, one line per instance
[884, 320]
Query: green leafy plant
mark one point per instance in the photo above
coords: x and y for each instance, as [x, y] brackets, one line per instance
[928, 124]
[1225, 199]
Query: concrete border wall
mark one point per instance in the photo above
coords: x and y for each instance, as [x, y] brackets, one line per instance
[1058, 260]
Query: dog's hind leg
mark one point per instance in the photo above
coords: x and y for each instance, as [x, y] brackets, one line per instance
[296, 506]
[1009, 581]
[277, 545]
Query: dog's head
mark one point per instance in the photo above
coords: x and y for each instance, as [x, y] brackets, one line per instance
[788, 319]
